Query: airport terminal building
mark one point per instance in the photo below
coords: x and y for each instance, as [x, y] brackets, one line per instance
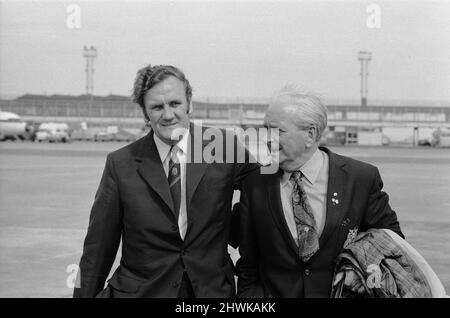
[377, 124]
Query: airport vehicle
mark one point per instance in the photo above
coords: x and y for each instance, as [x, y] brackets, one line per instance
[441, 137]
[123, 135]
[11, 126]
[31, 129]
[114, 133]
[424, 142]
[103, 136]
[53, 132]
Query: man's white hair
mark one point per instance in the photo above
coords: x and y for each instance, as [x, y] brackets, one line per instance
[307, 107]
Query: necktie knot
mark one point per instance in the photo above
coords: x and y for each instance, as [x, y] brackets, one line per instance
[173, 153]
[296, 176]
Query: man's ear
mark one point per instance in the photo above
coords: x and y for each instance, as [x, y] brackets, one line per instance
[312, 134]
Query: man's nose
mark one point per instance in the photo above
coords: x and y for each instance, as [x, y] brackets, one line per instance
[168, 112]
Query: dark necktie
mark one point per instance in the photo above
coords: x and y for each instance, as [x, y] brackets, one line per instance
[174, 179]
[308, 238]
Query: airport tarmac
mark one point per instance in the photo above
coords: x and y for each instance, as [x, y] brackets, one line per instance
[46, 191]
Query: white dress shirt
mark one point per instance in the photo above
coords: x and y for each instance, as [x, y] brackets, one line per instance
[315, 183]
[164, 154]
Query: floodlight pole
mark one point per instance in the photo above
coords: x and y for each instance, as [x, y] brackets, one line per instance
[364, 58]
[89, 54]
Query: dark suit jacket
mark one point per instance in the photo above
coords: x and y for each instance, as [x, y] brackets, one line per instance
[133, 203]
[269, 265]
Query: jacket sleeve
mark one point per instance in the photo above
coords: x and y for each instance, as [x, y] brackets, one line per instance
[244, 164]
[379, 213]
[249, 284]
[103, 236]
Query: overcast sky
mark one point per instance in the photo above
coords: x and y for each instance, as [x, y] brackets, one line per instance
[229, 48]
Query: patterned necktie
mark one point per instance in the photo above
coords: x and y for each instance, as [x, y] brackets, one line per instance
[174, 178]
[308, 239]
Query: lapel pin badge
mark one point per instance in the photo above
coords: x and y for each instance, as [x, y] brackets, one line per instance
[334, 199]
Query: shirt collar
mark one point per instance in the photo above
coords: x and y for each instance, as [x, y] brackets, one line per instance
[163, 148]
[310, 169]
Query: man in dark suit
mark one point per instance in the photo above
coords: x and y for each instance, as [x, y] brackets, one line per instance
[295, 222]
[168, 198]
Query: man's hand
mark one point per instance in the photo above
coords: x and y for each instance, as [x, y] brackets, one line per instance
[352, 281]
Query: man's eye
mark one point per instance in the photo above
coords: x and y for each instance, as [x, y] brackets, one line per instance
[156, 107]
[174, 104]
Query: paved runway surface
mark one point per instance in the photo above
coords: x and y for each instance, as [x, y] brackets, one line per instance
[46, 191]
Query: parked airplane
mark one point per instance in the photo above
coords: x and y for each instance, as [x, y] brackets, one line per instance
[11, 126]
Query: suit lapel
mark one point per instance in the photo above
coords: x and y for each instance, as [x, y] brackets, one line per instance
[194, 173]
[276, 208]
[335, 199]
[151, 170]
[194, 170]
